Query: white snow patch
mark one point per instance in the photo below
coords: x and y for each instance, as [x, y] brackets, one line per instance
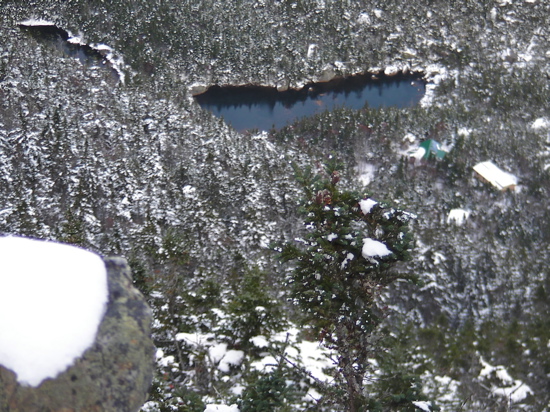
[367, 205]
[195, 339]
[221, 408]
[349, 258]
[312, 394]
[411, 138]
[36, 22]
[315, 360]
[366, 173]
[340, 65]
[188, 190]
[75, 40]
[238, 389]
[163, 360]
[438, 258]
[513, 389]
[364, 18]
[267, 364]
[458, 216]
[103, 47]
[391, 70]
[311, 355]
[231, 358]
[418, 153]
[464, 131]
[434, 74]
[311, 50]
[374, 248]
[541, 123]
[332, 236]
[259, 341]
[526, 57]
[52, 300]
[217, 352]
[422, 405]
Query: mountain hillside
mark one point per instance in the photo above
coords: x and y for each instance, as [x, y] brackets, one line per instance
[125, 162]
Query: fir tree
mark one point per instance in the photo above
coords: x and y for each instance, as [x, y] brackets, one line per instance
[336, 279]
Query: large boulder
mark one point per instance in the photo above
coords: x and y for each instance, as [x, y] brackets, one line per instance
[114, 374]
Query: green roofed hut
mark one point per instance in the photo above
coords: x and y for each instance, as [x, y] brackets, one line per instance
[428, 149]
[432, 149]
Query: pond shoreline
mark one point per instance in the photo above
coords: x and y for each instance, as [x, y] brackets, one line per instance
[312, 88]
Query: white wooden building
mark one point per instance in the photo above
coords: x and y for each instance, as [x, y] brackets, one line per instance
[489, 172]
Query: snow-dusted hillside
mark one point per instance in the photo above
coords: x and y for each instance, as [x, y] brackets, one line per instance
[138, 169]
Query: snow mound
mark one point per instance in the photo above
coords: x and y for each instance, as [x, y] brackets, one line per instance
[52, 300]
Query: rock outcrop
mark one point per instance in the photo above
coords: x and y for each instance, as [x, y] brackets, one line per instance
[113, 375]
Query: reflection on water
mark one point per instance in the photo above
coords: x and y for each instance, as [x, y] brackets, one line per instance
[248, 108]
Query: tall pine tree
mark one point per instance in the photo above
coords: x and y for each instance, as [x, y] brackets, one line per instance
[341, 266]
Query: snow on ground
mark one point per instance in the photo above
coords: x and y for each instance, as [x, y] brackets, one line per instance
[541, 123]
[314, 358]
[409, 137]
[366, 173]
[458, 216]
[52, 300]
[311, 355]
[464, 131]
[443, 390]
[392, 70]
[434, 74]
[418, 153]
[513, 389]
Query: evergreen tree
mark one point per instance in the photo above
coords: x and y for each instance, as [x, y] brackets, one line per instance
[340, 268]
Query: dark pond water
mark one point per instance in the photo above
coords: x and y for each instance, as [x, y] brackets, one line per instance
[264, 108]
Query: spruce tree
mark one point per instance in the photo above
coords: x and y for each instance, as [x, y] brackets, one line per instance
[340, 267]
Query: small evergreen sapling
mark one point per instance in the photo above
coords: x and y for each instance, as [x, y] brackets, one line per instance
[340, 266]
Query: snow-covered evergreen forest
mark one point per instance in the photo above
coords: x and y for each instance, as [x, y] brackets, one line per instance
[126, 163]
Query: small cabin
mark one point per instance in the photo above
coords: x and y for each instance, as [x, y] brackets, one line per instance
[428, 149]
[488, 172]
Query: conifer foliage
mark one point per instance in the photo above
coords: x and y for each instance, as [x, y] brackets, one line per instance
[341, 265]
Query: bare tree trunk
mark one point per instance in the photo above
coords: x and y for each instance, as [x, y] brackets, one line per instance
[351, 376]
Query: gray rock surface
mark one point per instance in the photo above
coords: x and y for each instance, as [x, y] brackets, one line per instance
[114, 374]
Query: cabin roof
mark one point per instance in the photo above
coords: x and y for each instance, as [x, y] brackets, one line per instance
[499, 178]
[433, 148]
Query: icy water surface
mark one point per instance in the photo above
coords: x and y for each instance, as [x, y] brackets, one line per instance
[247, 108]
